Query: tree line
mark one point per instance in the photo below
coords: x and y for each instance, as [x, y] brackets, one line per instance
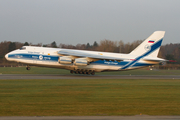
[168, 51]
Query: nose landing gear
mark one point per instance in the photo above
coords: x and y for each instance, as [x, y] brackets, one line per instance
[28, 68]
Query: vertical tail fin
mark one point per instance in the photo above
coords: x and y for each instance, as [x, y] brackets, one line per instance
[150, 46]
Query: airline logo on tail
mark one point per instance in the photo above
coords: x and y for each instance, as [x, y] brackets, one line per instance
[147, 47]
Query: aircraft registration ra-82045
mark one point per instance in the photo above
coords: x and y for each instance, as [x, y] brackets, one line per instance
[89, 62]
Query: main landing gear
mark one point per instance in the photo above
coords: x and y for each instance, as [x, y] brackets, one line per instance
[82, 72]
[28, 68]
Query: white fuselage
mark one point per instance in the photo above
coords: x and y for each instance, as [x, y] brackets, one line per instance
[89, 62]
[49, 57]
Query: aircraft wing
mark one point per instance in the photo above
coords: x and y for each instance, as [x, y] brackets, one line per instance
[88, 54]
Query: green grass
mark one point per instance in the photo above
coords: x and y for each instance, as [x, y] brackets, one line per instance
[42, 70]
[89, 97]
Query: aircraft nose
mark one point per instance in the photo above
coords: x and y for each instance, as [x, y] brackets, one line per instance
[6, 56]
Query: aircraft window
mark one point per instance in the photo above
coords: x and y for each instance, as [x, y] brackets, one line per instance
[23, 48]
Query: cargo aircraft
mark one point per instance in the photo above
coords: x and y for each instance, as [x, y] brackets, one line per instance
[89, 62]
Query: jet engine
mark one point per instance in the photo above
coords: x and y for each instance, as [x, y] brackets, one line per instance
[81, 62]
[65, 60]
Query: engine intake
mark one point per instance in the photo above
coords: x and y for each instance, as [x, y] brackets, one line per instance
[65, 60]
[81, 62]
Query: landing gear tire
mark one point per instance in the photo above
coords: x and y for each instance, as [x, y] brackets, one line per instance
[76, 72]
[71, 71]
[80, 72]
[88, 72]
[83, 72]
[28, 68]
[93, 73]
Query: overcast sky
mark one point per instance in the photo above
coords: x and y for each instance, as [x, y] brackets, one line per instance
[86, 21]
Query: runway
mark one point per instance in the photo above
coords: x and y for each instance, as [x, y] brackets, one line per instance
[39, 76]
[138, 117]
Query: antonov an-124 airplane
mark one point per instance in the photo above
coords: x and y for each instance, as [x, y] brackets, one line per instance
[89, 62]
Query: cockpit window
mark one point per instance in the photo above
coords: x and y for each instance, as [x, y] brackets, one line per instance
[23, 48]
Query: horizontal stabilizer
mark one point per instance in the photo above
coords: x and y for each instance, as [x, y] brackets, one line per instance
[155, 59]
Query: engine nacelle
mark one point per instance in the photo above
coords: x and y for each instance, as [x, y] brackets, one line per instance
[81, 62]
[65, 60]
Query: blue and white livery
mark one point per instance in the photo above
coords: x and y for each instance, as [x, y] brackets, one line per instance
[89, 62]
